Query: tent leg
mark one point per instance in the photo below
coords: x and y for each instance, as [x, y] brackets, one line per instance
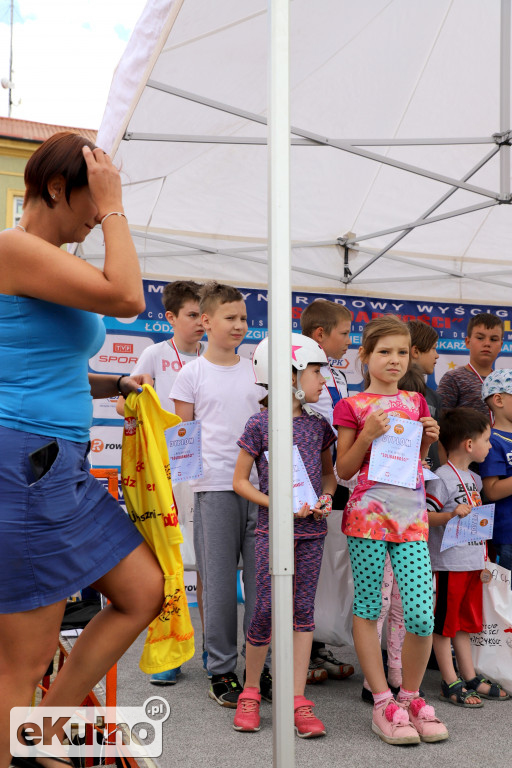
[505, 95]
[280, 411]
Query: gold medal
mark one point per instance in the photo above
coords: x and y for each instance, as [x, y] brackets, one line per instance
[485, 576]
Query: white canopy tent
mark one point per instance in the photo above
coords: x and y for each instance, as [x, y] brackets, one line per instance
[395, 211]
[186, 120]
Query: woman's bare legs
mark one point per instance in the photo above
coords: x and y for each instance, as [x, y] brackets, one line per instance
[135, 588]
[28, 641]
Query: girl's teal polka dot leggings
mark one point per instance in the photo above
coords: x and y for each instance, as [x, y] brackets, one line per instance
[412, 570]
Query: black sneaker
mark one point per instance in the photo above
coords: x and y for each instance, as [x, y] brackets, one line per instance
[225, 689]
[266, 685]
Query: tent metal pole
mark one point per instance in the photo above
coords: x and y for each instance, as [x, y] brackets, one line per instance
[280, 413]
[336, 143]
[431, 220]
[505, 95]
[432, 208]
[196, 138]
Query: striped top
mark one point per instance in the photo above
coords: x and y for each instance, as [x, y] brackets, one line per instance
[462, 387]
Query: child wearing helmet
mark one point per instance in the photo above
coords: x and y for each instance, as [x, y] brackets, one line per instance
[313, 437]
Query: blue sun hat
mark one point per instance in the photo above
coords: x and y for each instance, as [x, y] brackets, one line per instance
[496, 382]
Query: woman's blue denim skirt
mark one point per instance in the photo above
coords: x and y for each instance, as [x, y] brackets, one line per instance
[57, 534]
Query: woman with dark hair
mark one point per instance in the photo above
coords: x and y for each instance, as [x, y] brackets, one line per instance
[59, 529]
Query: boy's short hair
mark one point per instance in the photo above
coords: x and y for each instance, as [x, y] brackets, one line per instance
[487, 320]
[213, 294]
[423, 336]
[460, 424]
[176, 294]
[323, 314]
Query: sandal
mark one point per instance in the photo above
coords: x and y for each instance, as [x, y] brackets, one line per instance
[494, 692]
[461, 696]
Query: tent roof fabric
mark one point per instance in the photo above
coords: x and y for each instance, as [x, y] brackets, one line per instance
[185, 121]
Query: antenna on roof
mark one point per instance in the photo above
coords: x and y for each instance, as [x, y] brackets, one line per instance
[5, 82]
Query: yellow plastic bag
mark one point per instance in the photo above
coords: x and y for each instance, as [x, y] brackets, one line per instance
[147, 488]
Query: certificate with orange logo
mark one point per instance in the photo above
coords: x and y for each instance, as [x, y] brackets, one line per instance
[475, 527]
[395, 454]
[184, 446]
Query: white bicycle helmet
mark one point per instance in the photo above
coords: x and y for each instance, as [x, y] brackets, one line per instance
[305, 351]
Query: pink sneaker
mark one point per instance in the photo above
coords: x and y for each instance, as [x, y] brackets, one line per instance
[307, 726]
[391, 723]
[247, 717]
[424, 719]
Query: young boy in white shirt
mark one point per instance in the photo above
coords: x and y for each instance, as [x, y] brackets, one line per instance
[163, 361]
[465, 436]
[219, 390]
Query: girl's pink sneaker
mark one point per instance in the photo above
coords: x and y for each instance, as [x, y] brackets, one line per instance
[247, 717]
[424, 719]
[391, 723]
[307, 726]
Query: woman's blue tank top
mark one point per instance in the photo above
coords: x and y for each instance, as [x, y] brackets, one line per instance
[44, 354]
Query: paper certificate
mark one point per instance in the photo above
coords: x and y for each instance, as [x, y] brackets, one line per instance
[303, 491]
[476, 526]
[394, 457]
[184, 446]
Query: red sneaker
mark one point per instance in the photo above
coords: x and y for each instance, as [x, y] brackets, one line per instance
[307, 726]
[247, 717]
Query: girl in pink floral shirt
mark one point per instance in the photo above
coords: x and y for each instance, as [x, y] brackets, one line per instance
[382, 518]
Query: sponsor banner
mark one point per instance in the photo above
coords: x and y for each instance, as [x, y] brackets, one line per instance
[119, 353]
[106, 444]
[448, 319]
[106, 410]
[127, 337]
[190, 579]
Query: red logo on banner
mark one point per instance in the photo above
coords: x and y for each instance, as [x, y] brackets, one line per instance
[130, 425]
[122, 347]
[97, 445]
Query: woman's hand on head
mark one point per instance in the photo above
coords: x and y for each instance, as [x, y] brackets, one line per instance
[104, 181]
[376, 424]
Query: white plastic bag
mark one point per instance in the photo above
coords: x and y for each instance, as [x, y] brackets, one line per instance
[492, 648]
[335, 592]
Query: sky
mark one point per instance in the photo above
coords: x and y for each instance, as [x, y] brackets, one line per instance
[64, 56]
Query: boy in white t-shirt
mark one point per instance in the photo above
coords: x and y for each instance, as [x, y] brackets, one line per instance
[163, 361]
[219, 389]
